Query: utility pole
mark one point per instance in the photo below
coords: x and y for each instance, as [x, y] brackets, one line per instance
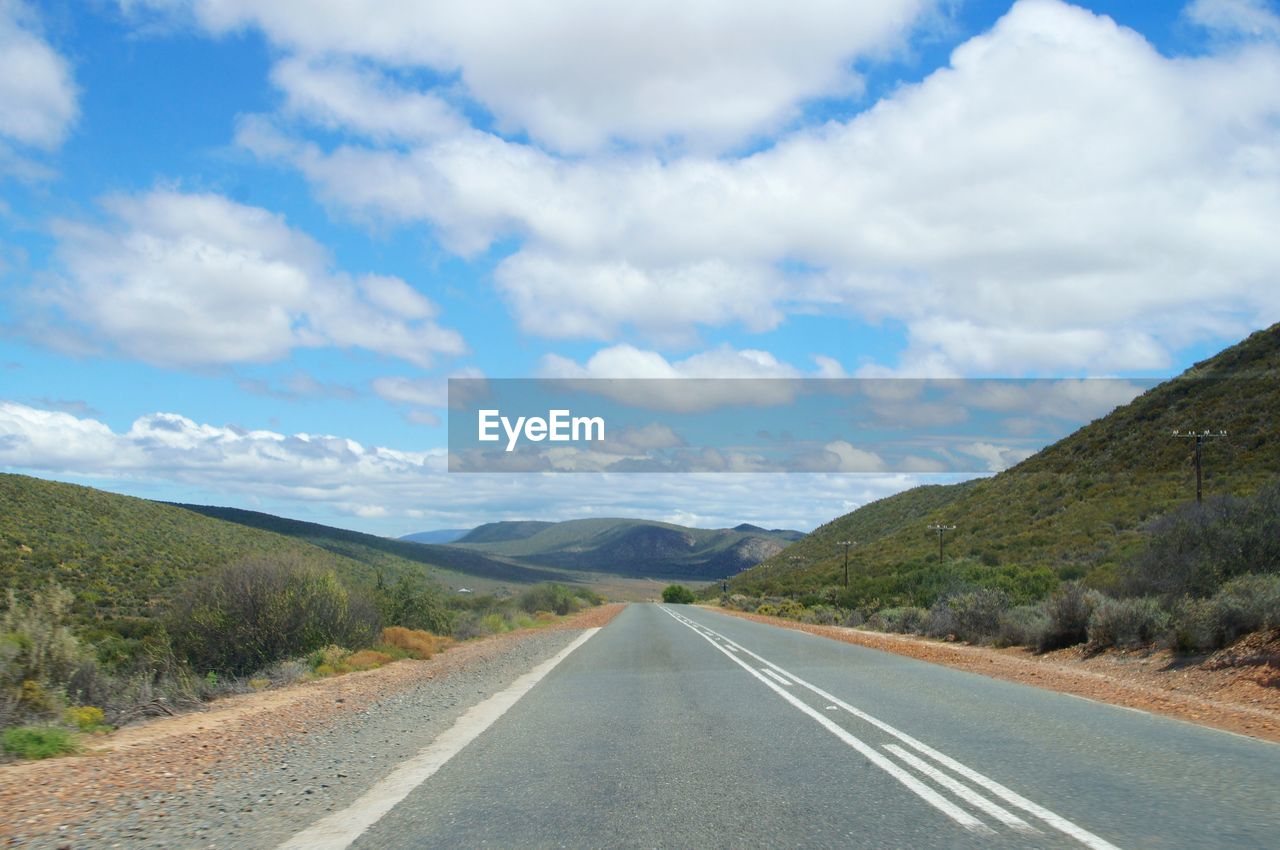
[941, 530]
[1200, 437]
[846, 544]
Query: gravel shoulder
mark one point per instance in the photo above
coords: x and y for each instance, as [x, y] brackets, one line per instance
[1237, 689]
[249, 771]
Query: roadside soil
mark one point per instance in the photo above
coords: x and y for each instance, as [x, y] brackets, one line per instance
[1236, 689]
[124, 777]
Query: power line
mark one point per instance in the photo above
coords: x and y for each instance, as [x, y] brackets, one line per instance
[846, 544]
[1200, 437]
[941, 530]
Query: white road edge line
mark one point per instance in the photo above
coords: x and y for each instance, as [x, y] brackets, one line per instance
[921, 790]
[1056, 821]
[964, 792]
[340, 829]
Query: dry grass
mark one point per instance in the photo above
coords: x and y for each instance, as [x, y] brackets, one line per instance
[417, 643]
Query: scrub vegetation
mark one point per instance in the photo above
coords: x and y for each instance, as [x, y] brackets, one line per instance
[1095, 540]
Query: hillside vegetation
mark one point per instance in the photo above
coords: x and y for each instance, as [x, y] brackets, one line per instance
[630, 547]
[1079, 509]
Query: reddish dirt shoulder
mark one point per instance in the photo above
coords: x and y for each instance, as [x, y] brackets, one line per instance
[1237, 689]
[171, 754]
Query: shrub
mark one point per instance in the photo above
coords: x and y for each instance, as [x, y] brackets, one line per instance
[37, 644]
[552, 597]
[416, 643]
[908, 620]
[1067, 611]
[38, 742]
[247, 615]
[1022, 625]
[1127, 623]
[86, 718]
[1245, 604]
[822, 615]
[678, 594]
[972, 616]
[415, 606]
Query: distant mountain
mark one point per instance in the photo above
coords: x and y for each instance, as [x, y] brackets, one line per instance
[442, 535]
[630, 547]
[374, 550]
[1079, 507]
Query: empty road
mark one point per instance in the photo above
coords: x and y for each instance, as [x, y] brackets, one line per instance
[676, 726]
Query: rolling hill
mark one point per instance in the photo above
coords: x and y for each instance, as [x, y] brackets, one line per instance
[1078, 507]
[629, 547]
[122, 556]
[440, 535]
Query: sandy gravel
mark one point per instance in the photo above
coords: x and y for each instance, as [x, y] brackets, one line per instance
[1237, 689]
[249, 770]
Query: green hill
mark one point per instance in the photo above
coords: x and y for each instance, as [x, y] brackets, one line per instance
[121, 555]
[629, 547]
[385, 552]
[1078, 508]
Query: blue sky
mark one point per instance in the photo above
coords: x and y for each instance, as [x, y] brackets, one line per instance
[244, 245]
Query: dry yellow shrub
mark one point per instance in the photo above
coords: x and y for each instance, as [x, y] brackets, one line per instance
[417, 643]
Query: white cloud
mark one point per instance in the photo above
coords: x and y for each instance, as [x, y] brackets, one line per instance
[1252, 18]
[1061, 197]
[329, 476]
[997, 458]
[425, 392]
[195, 279]
[688, 385]
[577, 75]
[37, 93]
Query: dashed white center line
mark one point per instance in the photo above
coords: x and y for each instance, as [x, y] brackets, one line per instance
[786, 683]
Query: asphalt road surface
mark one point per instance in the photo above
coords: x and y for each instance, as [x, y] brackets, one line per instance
[676, 726]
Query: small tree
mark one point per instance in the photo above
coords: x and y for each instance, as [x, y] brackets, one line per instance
[677, 594]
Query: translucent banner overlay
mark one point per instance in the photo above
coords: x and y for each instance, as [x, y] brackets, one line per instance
[767, 425]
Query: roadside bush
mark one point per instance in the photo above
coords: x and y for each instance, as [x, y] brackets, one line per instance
[553, 597]
[1022, 625]
[1127, 623]
[243, 617]
[678, 594]
[414, 642]
[822, 615]
[1246, 604]
[86, 718]
[414, 605]
[38, 742]
[972, 616]
[1067, 610]
[38, 653]
[908, 620]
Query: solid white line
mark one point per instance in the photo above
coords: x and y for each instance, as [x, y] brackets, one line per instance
[772, 675]
[921, 790]
[340, 829]
[964, 792]
[1054, 820]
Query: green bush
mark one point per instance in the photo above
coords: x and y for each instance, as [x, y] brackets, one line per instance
[551, 597]
[678, 594]
[414, 605]
[1022, 625]
[38, 742]
[972, 616]
[245, 616]
[1067, 611]
[1245, 604]
[1127, 623]
[906, 620]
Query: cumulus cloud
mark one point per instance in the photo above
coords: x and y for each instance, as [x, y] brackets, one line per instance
[329, 477]
[37, 93]
[1251, 18]
[579, 75]
[180, 279]
[1060, 196]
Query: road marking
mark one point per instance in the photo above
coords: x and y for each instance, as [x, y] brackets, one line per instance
[340, 829]
[772, 675]
[921, 790]
[964, 792]
[1054, 820]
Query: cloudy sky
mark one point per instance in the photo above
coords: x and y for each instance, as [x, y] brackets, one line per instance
[243, 244]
